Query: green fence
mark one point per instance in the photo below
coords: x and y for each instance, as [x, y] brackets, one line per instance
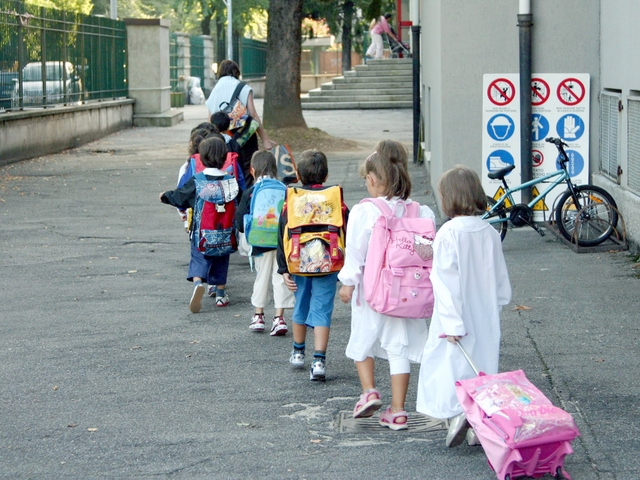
[197, 58]
[50, 57]
[254, 58]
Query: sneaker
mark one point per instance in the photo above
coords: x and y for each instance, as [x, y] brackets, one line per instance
[278, 327]
[196, 298]
[458, 427]
[211, 290]
[318, 370]
[222, 301]
[368, 404]
[395, 421]
[472, 438]
[257, 323]
[297, 359]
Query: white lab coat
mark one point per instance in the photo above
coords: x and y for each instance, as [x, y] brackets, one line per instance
[374, 334]
[470, 284]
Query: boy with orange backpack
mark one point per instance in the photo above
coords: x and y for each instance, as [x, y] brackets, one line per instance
[310, 255]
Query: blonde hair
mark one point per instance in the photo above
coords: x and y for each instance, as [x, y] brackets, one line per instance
[390, 166]
[461, 192]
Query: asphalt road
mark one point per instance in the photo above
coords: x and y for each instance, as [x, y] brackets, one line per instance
[105, 373]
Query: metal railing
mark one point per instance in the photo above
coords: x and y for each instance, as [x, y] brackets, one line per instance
[52, 57]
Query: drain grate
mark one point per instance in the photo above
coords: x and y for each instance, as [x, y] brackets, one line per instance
[416, 423]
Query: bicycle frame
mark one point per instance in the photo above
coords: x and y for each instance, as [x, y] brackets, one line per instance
[563, 176]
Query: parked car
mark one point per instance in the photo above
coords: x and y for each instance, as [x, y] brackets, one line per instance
[8, 81]
[63, 85]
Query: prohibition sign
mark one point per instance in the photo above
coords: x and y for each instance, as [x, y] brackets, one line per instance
[536, 158]
[540, 91]
[571, 91]
[501, 92]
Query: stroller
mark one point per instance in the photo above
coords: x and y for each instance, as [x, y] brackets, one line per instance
[398, 49]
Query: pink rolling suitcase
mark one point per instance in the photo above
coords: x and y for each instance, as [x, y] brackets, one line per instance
[522, 433]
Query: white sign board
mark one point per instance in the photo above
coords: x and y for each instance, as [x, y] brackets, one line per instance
[560, 108]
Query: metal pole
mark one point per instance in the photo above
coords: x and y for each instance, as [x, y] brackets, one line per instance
[415, 50]
[229, 29]
[114, 9]
[525, 21]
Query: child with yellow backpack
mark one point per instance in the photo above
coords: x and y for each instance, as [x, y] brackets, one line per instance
[310, 254]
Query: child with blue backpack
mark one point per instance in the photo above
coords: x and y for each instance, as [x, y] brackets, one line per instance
[373, 334]
[222, 189]
[257, 217]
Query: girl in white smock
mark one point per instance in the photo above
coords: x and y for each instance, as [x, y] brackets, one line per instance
[470, 286]
[372, 334]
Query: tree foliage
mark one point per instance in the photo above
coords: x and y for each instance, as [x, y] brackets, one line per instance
[79, 6]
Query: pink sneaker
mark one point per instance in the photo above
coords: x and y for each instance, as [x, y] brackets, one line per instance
[395, 421]
[369, 402]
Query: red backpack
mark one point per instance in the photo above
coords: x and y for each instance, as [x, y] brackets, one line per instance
[214, 213]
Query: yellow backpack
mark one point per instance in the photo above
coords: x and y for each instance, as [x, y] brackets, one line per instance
[314, 233]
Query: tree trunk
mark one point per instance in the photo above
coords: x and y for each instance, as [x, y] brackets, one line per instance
[205, 24]
[347, 22]
[282, 106]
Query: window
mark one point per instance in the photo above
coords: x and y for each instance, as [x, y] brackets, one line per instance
[609, 120]
[633, 144]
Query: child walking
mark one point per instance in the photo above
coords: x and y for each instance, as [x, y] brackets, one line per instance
[398, 340]
[314, 295]
[203, 268]
[263, 166]
[470, 285]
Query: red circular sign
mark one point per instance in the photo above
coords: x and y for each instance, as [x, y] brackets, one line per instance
[537, 158]
[571, 91]
[501, 92]
[540, 91]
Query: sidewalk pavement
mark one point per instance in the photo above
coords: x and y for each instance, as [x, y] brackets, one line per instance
[106, 374]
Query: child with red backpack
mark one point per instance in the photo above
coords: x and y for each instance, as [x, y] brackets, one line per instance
[374, 334]
[258, 218]
[211, 194]
[310, 253]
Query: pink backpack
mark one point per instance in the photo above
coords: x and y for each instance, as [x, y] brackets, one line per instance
[399, 258]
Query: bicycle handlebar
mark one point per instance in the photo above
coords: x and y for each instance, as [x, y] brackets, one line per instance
[556, 141]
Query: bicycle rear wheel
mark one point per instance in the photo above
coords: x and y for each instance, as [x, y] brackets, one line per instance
[590, 222]
[501, 226]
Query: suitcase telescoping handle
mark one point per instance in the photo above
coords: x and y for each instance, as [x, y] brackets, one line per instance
[469, 359]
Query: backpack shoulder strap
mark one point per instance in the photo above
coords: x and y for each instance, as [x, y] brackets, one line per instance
[381, 204]
[236, 92]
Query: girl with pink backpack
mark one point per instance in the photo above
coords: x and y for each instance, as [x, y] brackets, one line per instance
[374, 334]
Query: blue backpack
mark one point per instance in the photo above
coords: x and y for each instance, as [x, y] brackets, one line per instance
[261, 223]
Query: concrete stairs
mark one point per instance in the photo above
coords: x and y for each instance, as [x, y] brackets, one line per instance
[384, 83]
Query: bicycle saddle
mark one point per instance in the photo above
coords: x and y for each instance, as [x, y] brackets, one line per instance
[500, 174]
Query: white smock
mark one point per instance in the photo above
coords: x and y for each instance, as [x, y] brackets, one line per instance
[374, 334]
[470, 286]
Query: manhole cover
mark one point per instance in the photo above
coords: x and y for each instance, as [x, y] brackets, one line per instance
[416, 422]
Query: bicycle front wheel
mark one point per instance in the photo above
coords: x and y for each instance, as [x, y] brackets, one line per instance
[592, 220]
[500, 226]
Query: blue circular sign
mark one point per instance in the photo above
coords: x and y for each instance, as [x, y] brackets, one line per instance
[539, 127]
[570, 127]
[575, 165]
[499, 159]
[501, 127]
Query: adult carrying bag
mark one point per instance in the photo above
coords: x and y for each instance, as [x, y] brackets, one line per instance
[399, 261]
